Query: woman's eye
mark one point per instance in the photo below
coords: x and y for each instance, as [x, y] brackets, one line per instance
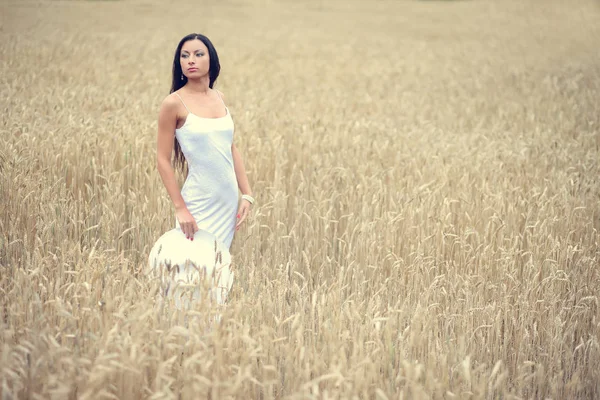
[184, 56]
[199, 54]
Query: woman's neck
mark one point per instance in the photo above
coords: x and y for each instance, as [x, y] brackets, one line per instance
[200, 85]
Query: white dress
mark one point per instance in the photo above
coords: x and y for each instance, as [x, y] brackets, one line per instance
[210, 190]
[210, 193]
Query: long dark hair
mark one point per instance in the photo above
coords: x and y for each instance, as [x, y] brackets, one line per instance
[179, 80]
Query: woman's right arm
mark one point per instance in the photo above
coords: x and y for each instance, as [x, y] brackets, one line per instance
[167, 122]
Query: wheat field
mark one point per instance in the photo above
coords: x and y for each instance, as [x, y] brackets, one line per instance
[428, 184]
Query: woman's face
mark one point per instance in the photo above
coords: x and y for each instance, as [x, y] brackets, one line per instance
[194, 59]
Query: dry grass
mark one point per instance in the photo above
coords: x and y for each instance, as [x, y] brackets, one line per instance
[428, 179]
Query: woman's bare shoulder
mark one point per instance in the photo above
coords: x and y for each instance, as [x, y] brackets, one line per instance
[170, 102]
[169, 108]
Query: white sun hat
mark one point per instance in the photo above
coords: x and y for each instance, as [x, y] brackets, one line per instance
[188, 268]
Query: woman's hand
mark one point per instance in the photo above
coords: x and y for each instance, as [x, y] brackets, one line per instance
[186, 222]
[243, 212]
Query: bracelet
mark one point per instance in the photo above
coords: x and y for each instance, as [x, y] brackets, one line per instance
[249, 198]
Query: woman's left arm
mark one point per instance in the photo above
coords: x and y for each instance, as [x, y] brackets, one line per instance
[243, 184]
[240, 171]
[242, 181]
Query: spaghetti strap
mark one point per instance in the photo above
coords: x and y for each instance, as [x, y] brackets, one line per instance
[177, 94]
[222, 101]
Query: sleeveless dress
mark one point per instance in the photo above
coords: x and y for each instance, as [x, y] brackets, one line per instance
[210, 193]
[210, 190]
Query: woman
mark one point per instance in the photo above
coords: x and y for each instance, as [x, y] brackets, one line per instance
[195, 123]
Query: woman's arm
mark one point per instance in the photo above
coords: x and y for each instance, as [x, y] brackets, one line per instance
[240, 171]
[167, 122]
[242, 179]
[238, 165]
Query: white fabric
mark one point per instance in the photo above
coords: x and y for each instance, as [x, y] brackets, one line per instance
[185, 267]
[210, 193]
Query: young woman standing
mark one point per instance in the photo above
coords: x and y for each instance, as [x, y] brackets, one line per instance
[195, 123]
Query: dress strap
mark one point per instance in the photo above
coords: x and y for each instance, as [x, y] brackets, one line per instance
[223, 101]
[177, 94]
[219, 94]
